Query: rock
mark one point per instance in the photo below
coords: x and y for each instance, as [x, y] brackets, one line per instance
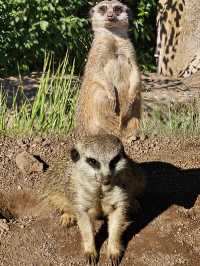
[28, 164]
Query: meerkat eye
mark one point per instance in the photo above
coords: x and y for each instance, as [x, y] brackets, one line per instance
[75, 156]
[103, 9]
[115, 160]
[94, 163]
[118, 9]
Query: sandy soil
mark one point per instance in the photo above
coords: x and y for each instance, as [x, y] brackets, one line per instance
[166, 233]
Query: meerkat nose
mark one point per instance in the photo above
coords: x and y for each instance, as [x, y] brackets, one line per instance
[106, 180]
[110, 15]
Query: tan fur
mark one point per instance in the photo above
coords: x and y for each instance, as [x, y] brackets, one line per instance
[110, 96]
[84, 193]
[21, 204]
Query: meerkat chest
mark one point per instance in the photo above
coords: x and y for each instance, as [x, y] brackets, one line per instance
[117, 69]
[100, 203]
[107, 202]
[113, 199]
[101, 209]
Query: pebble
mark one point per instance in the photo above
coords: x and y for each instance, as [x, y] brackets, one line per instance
[28, 164]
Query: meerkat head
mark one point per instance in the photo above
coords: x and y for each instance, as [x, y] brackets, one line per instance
[99, 158]
[111, 15]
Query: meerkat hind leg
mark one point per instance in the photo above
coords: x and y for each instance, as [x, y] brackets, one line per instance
[131, 132]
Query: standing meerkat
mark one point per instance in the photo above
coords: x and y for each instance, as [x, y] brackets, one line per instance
[96, 180]
[110, 96]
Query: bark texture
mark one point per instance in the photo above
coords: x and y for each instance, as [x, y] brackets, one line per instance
[178, 38]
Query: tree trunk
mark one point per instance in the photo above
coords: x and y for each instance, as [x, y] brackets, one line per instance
[178, 37]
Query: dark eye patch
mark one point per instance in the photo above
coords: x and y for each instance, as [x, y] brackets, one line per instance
[118, 9]
[115, 160]
[75, 156]
[94, 163]
[102, 9]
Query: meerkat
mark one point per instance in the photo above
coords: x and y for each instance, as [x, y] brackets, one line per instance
[110, 95]
[96, 180]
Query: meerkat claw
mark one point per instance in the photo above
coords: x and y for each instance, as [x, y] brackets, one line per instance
[91, 259]
[115, 260]
[67, 220]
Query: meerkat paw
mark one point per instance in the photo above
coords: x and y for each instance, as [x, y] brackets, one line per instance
[134, 137]
[130, 139]
[67, 219]
[91, 258]
[129, 136]
[115, 254]
[115, 259]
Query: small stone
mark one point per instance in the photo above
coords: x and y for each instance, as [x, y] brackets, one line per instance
[22, 226]
[46, 142]
[28, 164]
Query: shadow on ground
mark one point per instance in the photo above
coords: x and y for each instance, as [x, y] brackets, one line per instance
[166, 185]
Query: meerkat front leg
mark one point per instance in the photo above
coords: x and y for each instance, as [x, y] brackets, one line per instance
[87, 232]
[68, 219]
[105, 112]
[116, 226]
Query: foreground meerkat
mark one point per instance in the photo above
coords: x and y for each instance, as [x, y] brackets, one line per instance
[110, 96]
[96, 180]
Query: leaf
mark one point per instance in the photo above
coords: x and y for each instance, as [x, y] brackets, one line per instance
[44, 25]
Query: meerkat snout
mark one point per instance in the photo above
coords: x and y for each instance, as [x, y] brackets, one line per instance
[104, 177]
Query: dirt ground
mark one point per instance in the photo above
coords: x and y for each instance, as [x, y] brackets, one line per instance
[166, 233]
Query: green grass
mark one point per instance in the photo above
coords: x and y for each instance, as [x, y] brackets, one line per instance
[52, 110]
[173, 120]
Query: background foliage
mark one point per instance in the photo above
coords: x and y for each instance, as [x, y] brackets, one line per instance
[28, 28]
[144, 32]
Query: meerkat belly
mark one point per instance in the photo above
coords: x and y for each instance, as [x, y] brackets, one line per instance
[112, 200]
[100, 210]
[107, 208]
[117, 71]
[96, 212]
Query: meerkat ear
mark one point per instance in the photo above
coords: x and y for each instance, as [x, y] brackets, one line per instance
[74, 154]
[91, 12]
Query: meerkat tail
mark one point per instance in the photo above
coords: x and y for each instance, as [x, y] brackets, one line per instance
[21, 204]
